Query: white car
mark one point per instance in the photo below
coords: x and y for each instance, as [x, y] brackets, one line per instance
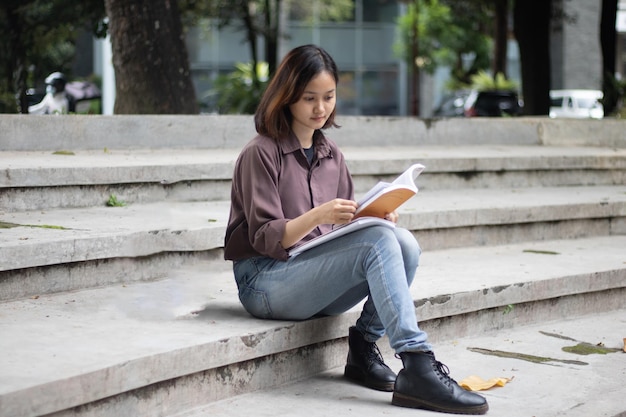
[579, 104]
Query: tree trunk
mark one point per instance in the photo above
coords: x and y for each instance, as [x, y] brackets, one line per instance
[414, 69]
[501, 36]
[608, 39]
[150, 58]
[15, 60]
[251, 35]
[531, 20]
[272, 25]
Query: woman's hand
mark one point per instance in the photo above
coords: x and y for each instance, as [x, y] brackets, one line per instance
[337, 211]
[392, 217]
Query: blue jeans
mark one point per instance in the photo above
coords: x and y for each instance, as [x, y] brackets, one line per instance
[376, 262]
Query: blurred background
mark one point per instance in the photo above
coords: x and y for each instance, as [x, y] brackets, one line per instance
[425, 58]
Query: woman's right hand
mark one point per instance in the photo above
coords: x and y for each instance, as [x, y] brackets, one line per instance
[337, 211]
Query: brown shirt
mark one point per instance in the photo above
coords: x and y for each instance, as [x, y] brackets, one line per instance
[272, 184]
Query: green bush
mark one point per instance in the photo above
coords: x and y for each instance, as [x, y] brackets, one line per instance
[240, 91]
[484, 81]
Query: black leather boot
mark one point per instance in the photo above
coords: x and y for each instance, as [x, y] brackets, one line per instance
[425, 383]
[366, 365]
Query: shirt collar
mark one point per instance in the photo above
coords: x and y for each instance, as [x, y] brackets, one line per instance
[322, 147]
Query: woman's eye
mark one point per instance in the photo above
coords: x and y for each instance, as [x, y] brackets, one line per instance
[328, 98]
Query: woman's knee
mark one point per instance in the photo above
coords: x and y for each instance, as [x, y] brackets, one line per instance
[408, 243]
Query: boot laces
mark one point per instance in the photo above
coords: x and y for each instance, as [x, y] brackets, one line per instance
[443, 371]
[373, 354]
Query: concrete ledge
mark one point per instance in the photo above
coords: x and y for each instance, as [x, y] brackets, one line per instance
[83, 132]
[577, 132]
[136, 335]
[40, 169]
[80, 132]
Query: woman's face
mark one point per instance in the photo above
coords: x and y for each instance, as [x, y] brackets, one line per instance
[314, 107]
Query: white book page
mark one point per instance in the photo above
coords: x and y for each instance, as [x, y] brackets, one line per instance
[340, 231]
[405, 180]
[373, 191]
[408, 177]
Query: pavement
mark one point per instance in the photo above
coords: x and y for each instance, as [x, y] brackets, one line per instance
[560, 384]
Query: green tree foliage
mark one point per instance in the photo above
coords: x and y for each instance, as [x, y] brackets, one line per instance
[39, 38]
[423, 36]
[321, 10]
[235, 93]
[470, 39]
[483, 81]
[448, 33]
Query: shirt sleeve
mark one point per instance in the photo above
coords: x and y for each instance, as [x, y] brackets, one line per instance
[257, 185]
[346, 186]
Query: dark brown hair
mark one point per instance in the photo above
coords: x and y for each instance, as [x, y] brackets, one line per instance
[273, 117]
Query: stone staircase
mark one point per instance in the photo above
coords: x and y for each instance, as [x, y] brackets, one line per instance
[128, 309]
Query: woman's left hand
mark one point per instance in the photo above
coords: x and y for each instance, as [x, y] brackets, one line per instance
[392, 217]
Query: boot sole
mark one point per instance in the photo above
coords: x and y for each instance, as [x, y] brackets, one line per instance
[356, 375]
[401, 400]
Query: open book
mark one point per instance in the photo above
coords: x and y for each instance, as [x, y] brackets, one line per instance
[383, 198]
[340, 231]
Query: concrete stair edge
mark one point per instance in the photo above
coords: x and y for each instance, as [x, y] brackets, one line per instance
[142, 230]
[39, 169]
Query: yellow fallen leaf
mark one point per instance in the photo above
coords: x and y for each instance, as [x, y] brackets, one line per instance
[476, 383]
[625, 344]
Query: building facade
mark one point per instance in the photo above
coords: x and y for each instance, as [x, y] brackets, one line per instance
[372, 77]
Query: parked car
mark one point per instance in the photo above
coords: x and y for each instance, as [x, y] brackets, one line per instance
[492, 103]
[452, 104]
[579, 104]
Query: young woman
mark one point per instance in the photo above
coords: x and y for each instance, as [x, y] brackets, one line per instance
[290, 185]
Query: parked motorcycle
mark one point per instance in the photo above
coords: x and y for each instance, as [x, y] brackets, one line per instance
[55, 101]
[64, 97]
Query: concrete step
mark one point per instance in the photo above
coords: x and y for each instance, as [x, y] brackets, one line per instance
[115, 311]
[168, 346]
[43, 180]
[566, 384]
[61, 250]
